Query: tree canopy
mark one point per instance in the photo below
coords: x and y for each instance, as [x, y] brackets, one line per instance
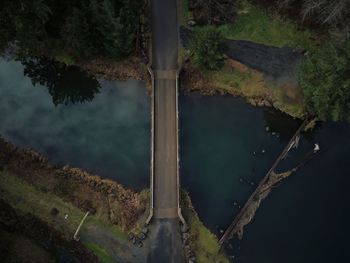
[325, 79]
[207, 47]
[320, 13]
[79, 28]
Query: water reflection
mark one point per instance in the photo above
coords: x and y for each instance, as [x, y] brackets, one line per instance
[66, 84]
[108, 136]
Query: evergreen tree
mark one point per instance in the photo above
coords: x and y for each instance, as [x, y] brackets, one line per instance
[207, 48]
[325, 79]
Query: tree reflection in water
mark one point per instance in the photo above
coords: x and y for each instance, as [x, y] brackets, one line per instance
[66, 84]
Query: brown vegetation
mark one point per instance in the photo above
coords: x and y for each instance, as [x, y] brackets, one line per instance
[132, 67]
[103, 197]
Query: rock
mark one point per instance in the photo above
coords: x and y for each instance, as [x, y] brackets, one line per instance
[273, 133]
[140, 244]
[131, 236]
[192, 259]
[184, 228]
[267, 128]
[185, 236]
[134, 240]
[142, 236]
[145, 230]
[267, 103]
[252, 102]
[261, 103]
[191, 23]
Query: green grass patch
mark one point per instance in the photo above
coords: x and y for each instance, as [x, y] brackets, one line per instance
[23, 196]
[204, 244]
[237, 79]
[253, 24]
[186, 13]
[61, 56]
[100, 252]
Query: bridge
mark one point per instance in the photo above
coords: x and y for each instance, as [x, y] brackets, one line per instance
[165, 213]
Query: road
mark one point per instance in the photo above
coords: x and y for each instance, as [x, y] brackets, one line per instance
[165, 236]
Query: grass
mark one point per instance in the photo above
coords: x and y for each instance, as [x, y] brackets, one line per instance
[23, 196]
[62, 56]
[237, 79]
[204, 244]
[253, 24]
[187, 14]
[20, 195]
[100, 252]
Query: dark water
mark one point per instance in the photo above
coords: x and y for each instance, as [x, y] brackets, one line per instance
[305, 219]
[98, 125]
[104, 127]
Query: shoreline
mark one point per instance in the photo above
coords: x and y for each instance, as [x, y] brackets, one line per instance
[191, 80]
[112, 206]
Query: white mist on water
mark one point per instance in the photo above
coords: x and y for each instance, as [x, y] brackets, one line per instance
[109, 135]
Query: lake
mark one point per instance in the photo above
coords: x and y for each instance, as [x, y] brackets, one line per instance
[104, 127]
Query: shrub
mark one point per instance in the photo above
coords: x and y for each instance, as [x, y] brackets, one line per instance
[325, 79]
[207, 48]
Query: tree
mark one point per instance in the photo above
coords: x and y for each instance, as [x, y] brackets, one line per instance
[325, 79]
[79, 28]
[24, 21]
[325, 14]
[213, 12]
[207, 48]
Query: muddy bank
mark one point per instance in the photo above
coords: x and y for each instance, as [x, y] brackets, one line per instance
[279, 63]
[103, 197]
[16, 225]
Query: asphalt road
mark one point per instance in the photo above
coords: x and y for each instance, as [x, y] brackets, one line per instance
[164, 34]
[165, 236]
[165, 149]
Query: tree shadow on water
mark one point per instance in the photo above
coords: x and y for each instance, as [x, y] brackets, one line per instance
[66, 84]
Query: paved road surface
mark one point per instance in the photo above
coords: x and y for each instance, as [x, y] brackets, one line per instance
[165, 237]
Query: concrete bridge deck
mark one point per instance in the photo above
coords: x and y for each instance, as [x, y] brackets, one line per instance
[165, 234]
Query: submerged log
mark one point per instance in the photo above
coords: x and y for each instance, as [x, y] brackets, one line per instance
[261, 192]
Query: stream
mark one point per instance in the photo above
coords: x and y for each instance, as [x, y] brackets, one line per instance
[225, 149]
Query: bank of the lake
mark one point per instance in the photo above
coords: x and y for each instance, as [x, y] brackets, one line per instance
[72, 118]
[304, 218]
[225, 148]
